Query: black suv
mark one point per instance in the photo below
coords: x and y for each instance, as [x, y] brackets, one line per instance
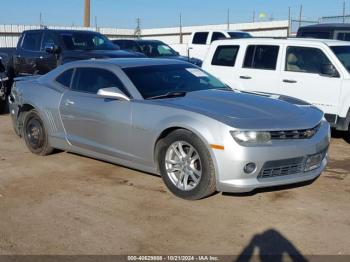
[40, 51]
[326, 31]
[154, 49]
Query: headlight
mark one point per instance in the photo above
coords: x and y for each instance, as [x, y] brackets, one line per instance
[251, 137]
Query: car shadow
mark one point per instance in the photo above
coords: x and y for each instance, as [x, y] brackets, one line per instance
[271, 189]
[341, 135]
[271, 245]
[4, 109]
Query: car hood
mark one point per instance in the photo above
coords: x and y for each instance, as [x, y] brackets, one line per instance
[248, 111]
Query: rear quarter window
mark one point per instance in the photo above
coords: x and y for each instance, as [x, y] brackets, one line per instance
[65, 78]
[315, 34]
[200, 38]
[225, 56]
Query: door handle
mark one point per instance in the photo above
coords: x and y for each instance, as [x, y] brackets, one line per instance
[290, 81]
[69, 102]
[245, 77]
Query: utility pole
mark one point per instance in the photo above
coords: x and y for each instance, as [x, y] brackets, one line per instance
[254, 16]
[300, 14]
[344, 7]
[87, 13]
[96, 28]
[40, 20]
[181, 36]
[228, 19]
[289, 22]
[138, 28]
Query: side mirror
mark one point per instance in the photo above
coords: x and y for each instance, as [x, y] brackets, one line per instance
[113, 92]
[177, 53]
[329, 70]
[52, 49]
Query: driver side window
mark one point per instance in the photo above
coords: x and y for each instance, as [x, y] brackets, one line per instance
[305, 60]
[49, 38]
[90, 80]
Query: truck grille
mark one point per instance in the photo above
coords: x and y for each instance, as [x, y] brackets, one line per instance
[282, 168]
[295, 134]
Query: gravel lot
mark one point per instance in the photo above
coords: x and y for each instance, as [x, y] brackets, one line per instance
[68, 204]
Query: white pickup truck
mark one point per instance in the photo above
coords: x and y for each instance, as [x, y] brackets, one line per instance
[200, 41]
[313, 70]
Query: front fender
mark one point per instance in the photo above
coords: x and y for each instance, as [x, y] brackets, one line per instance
[209, 131]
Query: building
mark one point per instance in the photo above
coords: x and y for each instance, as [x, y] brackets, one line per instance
[9, 34]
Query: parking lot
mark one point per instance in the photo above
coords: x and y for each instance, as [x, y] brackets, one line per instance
[68, 204]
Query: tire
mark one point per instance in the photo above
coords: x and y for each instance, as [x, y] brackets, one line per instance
[35, 134]
[192, 177]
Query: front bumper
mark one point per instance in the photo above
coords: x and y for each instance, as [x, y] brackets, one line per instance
[231, 162]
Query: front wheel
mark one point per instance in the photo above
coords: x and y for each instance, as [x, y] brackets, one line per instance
[35, 134]
[186, 165]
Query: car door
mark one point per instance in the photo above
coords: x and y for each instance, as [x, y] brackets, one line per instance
[303, 77]
[29, 53]
[48, 61]
[96, 123]
[199, 46]
[260, 68]
[223, 64]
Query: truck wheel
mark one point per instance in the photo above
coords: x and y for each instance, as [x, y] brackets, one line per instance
[186, 165]
[35, 134]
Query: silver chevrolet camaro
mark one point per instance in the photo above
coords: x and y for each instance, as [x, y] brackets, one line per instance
[171, 118]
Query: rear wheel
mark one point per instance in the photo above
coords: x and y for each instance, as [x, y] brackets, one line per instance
[35, 134]
[186, 165]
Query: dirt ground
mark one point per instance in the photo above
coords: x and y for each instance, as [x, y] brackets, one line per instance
[68, 204]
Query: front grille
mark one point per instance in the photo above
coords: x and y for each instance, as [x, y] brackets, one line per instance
[282, 168]
[295, 134]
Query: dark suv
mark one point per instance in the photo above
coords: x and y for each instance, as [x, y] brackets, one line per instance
[326, 31]
[40, 51]
[153, 49]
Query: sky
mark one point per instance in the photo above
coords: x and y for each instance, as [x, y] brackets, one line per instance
[160, 13]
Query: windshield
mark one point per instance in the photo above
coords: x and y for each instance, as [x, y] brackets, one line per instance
[152, 81]
[343, 54]
[156, 49]
[87, 41]
[235, 35]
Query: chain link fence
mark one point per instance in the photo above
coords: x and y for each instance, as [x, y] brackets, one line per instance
[335, 19]
[295, 24]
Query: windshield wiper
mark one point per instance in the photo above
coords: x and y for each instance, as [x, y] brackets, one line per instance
[169, 95]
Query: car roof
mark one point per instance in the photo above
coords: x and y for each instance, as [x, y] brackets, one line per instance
[236, 31]
[61, 31]
[148, 41]
[327, 26]
[138, 40]
[276, 40]
[128, 62]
